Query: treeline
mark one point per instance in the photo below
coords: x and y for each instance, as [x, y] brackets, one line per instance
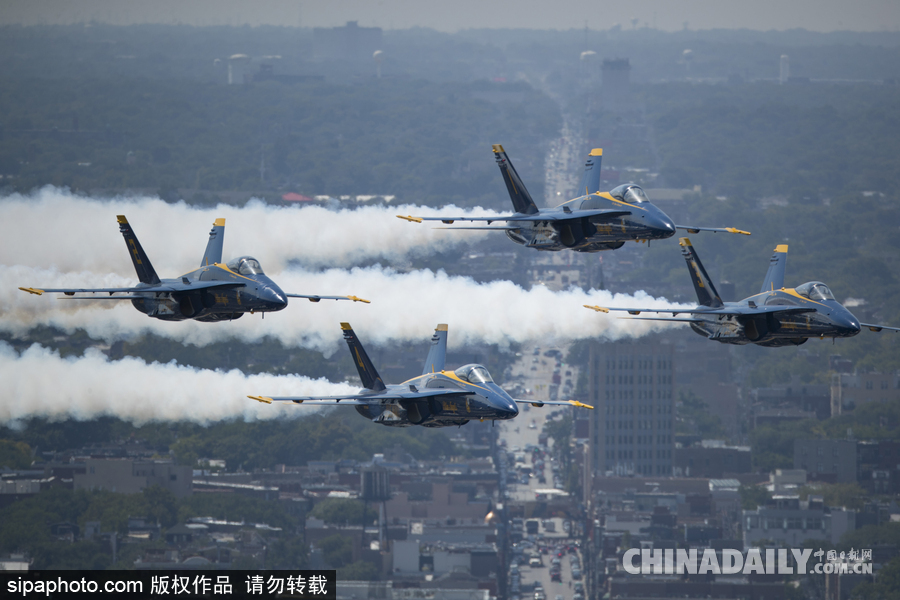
[772, 446]
[26, 525]
[802, 143]
[423, 142]
[329, 435]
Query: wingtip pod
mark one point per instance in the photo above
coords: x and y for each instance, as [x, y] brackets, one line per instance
[875, 329]
[34, 291]
[358, 299]
[410, 218]
[580, 404]
[597, 308]
[263, 399]
[740, 231]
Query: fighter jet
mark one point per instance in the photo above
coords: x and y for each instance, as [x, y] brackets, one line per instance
[776, 316]
[215, 292]
[594, 221]
[436, 398]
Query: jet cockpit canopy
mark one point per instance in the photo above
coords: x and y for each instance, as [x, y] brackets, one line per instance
[474, 374]
[629, 192]
[245, 265]
[815, 290]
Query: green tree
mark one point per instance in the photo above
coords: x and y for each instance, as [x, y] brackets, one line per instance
[342, 511]
[15, 455]
[337, 550]
[848, 495]
[358, 571]
[886, 584]
[753, 496]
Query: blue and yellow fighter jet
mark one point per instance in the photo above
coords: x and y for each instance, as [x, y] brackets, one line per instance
[594, 221]
[776, 316]
[215, 292]
[436, 398]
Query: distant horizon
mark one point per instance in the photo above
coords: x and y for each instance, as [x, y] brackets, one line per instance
[820, 16]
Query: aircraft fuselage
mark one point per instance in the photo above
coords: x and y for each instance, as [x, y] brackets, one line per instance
[252, 293]
[829, 319]
[594, 234]
[482, 401]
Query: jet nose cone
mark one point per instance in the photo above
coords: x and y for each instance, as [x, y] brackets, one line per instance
[273, 298]
[505, 406]
[848, 325]
[661, 224]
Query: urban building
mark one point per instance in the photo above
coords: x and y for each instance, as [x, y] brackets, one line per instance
[133, 476]
[350, 42]
[631, 385]
[831, 461]
[850, 390]
[712, 459]
[789, 521]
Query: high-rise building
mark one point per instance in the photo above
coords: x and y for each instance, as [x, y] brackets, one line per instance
[784, 69]
[631, 385]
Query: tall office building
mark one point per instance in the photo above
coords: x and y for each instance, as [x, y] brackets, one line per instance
[631, 385]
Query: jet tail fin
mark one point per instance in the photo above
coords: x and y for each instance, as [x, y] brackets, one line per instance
[590, 181]
[367, 373]
[213, 252]
[520, 197]
[706, 291]
[437, 354]
[142, 265]
[775, 275]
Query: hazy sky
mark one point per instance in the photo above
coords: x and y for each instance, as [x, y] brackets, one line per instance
[453, 15]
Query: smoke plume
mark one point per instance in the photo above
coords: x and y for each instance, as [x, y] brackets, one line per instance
[405, 306]
[51, 228]
[40, 383]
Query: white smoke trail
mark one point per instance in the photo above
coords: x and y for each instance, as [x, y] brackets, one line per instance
[51, 228]
[39, 383]
[405, 306]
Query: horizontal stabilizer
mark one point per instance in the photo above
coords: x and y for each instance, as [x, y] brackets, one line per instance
[550, 216]
[366, 399]
[736, 310]
[168, 287]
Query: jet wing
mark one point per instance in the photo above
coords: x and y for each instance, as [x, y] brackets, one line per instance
[877, 328]
[390, 395]
[313, 298]
[555, 402]
[736, 310]
[554, 216]
[164, 287]
[692, 229]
